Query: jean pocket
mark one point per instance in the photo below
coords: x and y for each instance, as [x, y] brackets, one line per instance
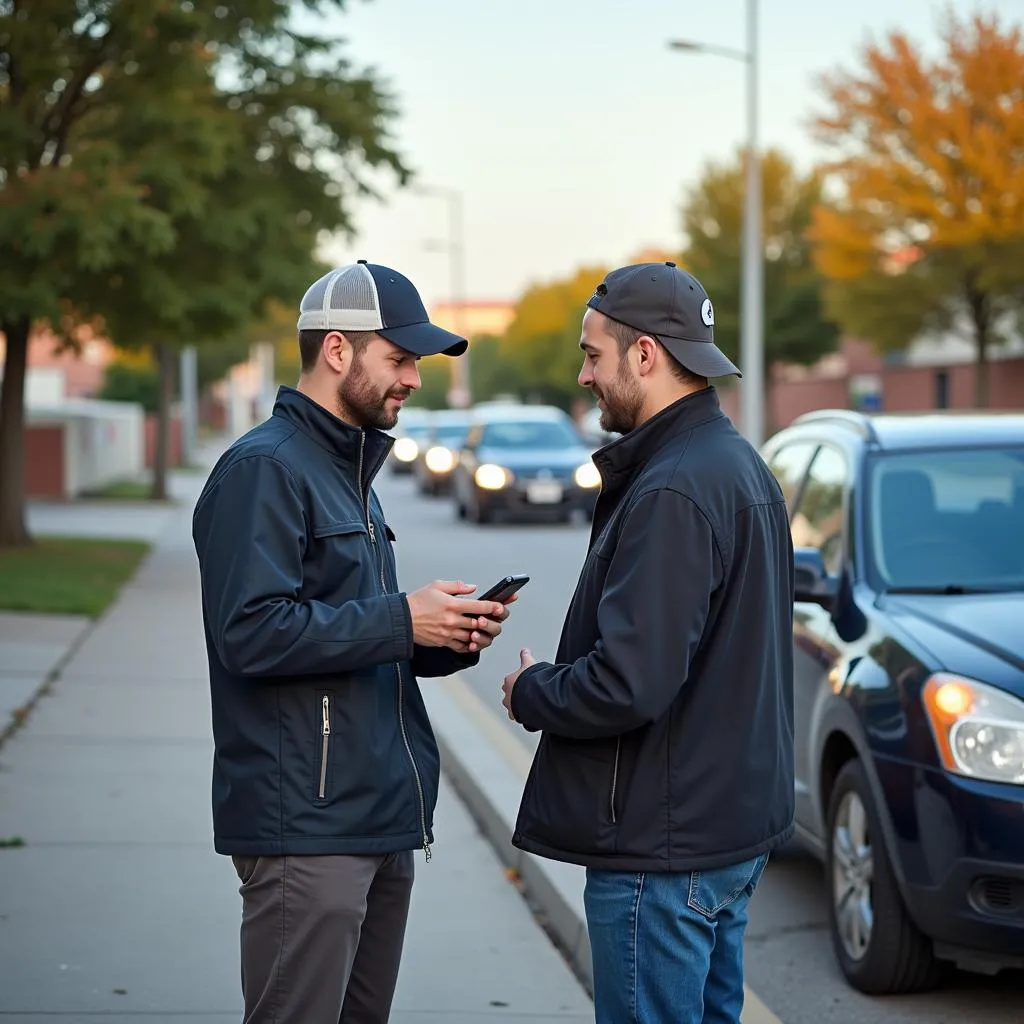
[712, 891]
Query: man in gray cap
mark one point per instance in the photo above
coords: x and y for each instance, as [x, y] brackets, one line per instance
[325, 771]
[665, 761]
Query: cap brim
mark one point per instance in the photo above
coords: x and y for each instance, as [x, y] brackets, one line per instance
[425, 339]
[700, 357]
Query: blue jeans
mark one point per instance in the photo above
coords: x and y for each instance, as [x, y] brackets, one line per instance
[668, 948]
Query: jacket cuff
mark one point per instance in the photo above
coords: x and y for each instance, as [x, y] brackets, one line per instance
[401, 626]
[520, 697]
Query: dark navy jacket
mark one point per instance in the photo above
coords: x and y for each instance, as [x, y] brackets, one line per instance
[667, 722]
[322, 741]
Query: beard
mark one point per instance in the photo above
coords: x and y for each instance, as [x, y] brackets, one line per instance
[623, 401]
[366, 404]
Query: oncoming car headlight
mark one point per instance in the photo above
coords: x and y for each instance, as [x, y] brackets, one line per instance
[439, 459]
[979, 729]
[491, 477]
[587, 476]
[406, 449]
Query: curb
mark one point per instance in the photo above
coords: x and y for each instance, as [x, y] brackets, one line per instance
[487, 767]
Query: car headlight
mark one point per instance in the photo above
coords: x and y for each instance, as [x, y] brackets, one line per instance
[439, 459]
[978, 728]
[587, 476]
[405, 449]
[491, 477]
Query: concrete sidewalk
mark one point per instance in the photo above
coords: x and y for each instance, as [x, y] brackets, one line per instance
[118, 910]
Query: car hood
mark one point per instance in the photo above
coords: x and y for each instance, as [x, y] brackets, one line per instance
[976, 635]
[526, 459]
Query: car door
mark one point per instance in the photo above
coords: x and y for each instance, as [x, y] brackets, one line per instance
[818, 520]
[790, 464]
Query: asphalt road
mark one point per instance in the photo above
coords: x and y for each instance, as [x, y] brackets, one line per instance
[789, 955]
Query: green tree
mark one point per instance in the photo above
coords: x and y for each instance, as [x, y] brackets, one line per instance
[435, 380]
[491, 370]
[165, 168]
[132, 381]
[796, 329]
[71, 197]
[928, 231]
[541, 346]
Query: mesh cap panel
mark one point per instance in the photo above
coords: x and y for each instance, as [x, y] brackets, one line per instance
[344, 299]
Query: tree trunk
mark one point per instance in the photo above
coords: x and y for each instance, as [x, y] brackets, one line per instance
[161, 458]
[979, 303]
[13, 532]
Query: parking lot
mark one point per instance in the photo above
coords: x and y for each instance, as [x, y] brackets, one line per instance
[790, 963]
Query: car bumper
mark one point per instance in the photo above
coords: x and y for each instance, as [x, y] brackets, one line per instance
[398, 466]
[960, 843]
[517, 500]
[437, 483]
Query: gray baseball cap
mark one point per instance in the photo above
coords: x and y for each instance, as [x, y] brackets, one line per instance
[671, 306]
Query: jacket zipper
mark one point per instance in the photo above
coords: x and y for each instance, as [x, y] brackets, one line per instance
[398, 668]
[326, 733]
[615, 778]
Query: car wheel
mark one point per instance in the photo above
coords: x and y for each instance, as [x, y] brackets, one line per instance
[880, 950]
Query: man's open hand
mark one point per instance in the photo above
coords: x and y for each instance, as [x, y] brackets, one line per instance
[526, 659]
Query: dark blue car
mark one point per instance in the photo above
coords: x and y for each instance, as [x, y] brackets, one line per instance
[909, 685]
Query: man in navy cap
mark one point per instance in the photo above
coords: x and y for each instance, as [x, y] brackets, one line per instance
[325, 770]
[665, 762]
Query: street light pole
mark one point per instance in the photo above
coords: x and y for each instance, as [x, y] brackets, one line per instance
[752, 306]
[460, 393]
[462, 396]
[752, 418]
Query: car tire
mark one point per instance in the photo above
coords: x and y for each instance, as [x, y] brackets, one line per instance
[894, 957]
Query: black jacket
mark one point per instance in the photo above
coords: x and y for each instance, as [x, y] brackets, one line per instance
[322, 741]
[668, 719]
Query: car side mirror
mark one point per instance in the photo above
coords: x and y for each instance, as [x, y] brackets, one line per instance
[812, 583]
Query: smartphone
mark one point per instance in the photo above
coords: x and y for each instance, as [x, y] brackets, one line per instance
[504, 589]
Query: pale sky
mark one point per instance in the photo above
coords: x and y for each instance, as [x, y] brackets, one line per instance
[571, 129]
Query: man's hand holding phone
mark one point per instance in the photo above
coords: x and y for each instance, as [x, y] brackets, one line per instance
[443, 616]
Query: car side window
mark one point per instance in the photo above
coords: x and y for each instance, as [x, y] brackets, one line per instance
[789, 464]
[817, 521]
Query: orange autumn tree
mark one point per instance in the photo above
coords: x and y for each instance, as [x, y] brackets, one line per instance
[927, 230]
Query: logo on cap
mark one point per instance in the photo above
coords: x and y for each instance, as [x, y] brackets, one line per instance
[707, 313]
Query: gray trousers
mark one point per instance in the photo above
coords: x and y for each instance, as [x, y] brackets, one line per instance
[322, 936]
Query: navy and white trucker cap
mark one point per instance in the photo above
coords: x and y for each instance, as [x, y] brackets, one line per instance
[368, 297]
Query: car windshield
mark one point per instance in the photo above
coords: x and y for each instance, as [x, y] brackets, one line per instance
[948, 521]
[451, 434]
[529, 434]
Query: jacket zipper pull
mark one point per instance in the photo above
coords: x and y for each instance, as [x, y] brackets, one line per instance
[426, 850]
[373, 533]
[326, 733]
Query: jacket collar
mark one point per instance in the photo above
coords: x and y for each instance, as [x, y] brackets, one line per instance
[356, 447]
[620, 459]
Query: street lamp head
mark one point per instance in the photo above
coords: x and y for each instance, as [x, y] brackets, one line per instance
[689, 46]
[685, 44]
